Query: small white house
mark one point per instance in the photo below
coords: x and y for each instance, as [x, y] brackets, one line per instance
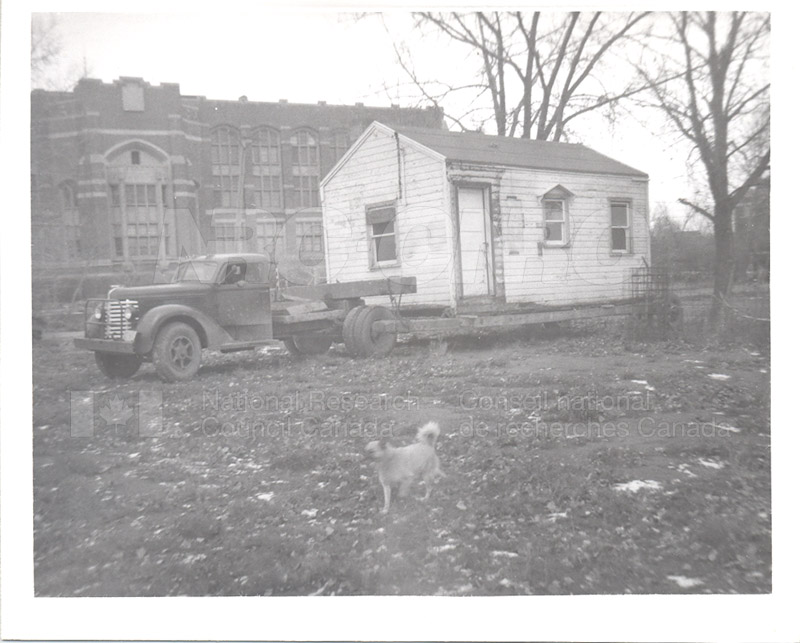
[484, 220]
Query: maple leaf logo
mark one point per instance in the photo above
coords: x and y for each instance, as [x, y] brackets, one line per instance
[116, 412]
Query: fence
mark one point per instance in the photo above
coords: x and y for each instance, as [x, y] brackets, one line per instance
[678, 304]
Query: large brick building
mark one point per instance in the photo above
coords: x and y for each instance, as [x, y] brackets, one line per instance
[128, 176]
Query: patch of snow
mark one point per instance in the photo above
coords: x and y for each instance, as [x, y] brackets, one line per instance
[266, 496]
[555, 516]
[728, 427]
[684, 582]
[505, 554]
[506, 583]
[441, 548]
[635, 485]
[642, 382]
[684, 468]
[693, 361]
[711, 464]
[719, 376]
[311, 513]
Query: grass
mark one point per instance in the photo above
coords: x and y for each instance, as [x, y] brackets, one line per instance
[258, 484]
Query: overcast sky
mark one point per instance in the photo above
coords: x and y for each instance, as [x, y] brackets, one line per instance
[312, 55]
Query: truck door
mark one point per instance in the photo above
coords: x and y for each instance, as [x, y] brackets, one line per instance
[243, 302]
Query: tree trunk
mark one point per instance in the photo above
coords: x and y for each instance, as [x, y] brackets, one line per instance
[723, 262]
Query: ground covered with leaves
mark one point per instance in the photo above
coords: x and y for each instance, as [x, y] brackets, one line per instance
[576, 463]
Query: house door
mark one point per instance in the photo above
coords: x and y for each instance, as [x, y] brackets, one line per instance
[474, 242]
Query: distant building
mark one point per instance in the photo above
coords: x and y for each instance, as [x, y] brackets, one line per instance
[130, 176]
[751, 232]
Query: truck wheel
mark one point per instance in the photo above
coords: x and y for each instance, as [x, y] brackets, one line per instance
[176, 352]
[349, 329]
[368, 341]
[301, 345]
[116, 366]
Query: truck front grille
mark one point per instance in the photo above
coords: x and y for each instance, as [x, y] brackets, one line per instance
[116, 324]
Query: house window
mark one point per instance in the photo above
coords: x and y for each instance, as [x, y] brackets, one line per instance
[225, 167]
[620, 226]
[382, 233]
[304, 149]
[271, 237]
[309, 241]
[307, 192]
[305, 169]
[142, 231]
[226, 235]
[555, 222]
[267, 175]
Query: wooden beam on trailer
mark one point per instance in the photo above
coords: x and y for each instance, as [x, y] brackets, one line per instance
[352, 289]
[475, 322]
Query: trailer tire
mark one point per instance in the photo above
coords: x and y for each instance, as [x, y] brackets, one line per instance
[349, 327]
[116, 366]
[368, 342]
[302, 345]
[176, 352]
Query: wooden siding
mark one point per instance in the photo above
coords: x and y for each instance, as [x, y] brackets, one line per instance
[424, 237]
[585, 269]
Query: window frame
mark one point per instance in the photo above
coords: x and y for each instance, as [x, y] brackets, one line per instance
[628, 228]
[372, 248]
[564, 241]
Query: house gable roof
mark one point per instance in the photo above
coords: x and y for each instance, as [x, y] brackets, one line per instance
[484, 149]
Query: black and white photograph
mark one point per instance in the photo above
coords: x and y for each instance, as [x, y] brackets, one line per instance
[393, 302]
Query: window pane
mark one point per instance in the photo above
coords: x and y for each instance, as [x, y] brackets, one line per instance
[619, 214]
[554, 210]
[619, 239]
[383, 228]
[553, 232]
[385, 249]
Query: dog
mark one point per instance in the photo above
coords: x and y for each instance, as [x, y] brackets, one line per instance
[401, 466]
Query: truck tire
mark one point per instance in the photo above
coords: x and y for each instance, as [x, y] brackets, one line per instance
[116, 366]
[349, 328]
[176, 352]
[369, 342]
[302, 345]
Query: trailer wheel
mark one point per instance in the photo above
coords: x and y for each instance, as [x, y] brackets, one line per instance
[176, 352]
[349, 329]
[116, 366]
[302, 345]
[369, 342]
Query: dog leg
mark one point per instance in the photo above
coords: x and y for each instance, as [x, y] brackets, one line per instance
[387, 498]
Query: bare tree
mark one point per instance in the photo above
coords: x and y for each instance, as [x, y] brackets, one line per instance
[720, 103]
[540, 71]
[47, 50]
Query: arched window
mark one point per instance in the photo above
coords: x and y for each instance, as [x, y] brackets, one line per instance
[268, 179]
[225, 166]
[305, 168]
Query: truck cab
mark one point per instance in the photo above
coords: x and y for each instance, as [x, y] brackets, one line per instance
[218, 301]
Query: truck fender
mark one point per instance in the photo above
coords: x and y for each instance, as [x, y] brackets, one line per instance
[212, 335]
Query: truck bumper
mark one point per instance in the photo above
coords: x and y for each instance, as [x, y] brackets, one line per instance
[105, 345]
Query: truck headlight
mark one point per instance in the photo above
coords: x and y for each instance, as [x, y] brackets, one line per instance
[129, 313]
[98, 312]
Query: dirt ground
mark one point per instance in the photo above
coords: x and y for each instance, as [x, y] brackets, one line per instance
[576, 463]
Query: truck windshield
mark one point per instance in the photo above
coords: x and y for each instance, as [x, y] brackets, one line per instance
[203, 271]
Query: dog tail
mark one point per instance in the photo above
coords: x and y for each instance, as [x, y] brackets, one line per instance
[428, 434]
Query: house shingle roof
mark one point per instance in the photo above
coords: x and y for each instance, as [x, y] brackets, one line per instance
[499, 150]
